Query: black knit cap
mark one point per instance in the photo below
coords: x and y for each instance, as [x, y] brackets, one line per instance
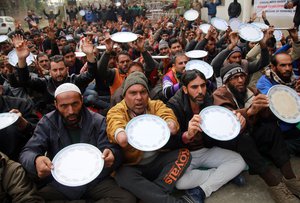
[229, 70]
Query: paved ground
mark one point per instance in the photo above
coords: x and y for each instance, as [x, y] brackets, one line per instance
[255, 191]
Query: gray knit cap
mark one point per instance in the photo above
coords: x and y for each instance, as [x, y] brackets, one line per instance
[135, 78]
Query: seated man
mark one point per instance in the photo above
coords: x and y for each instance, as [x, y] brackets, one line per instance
[264, 137]
[72, 123]
[14, 137]
[171, 80]
[187, 104]
[148, 175]
[281, 72]
[14, 185]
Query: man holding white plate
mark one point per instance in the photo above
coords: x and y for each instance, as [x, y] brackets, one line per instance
[262, 137]
[147, 172]
[281, 72]
[223, 164]
[72, 123]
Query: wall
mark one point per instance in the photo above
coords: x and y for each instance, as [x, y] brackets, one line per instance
[245, 16]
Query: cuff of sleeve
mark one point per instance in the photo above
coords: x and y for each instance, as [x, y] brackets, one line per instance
[185, 138]
[117, 132]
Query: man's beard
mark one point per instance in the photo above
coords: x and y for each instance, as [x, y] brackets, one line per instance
[194, 99]
[72, 123]
[240, 96]
[286, 79]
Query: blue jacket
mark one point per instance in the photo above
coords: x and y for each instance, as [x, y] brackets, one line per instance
[212, 7]
[263, 85]
[51, 136]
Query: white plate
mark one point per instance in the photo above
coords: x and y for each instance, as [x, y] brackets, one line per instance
[235, 23]
[103, 47]
[77, 164]
[147, 132]
[219, 23]
[191, 15]
[204, 27]
[196, 54]
[278, 35]
[284, 102]
[202, 66]
[123, 37]
[219, 123]
[250, 33]
[160, 57]
[13, 58]
[82, 12]
[283, 28]
[6, 119]
[79, 54]
[3, 38]
[262, 26]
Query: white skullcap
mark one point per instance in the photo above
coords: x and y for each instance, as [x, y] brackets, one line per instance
[66, 87]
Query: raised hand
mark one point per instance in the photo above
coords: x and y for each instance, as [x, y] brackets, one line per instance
[87, 47]
[108, 44]
[140, 44]
[234, 39]
[267, 35]
[22, 49]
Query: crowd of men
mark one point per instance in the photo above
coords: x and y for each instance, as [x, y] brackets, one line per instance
[62, 98]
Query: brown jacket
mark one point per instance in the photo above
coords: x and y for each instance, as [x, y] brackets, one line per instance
[117, 118]
[15, 183]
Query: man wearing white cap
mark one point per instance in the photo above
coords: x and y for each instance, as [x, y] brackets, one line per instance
[72, 123]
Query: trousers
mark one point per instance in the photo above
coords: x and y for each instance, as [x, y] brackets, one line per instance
[224, 165]
[155, 181]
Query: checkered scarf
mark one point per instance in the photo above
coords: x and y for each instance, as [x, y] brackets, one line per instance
[272, 75]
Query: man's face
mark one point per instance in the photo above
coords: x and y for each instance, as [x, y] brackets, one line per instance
[164, 51]
[136, 98]
[238, 82]
[284, 68]
[123, 62]
[44, 62]
[6, 47]
[165, 37]
[69, 105]
[70, 59]
[37, 39]
[235, 58]
[58, 71]
[211, 46]
[180, 63]
[61, 43]
[135, 68]
[196, 90]
[191, 36]
[176, 48]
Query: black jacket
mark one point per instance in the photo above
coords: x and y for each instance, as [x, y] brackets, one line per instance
[180, 104]
[12, 140]
[51, 135]
[234, 9]
[47, 85]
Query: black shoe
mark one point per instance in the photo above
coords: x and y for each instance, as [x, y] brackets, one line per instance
[195, 195]
[239, 180]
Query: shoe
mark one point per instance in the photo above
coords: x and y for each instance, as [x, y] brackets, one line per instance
[293, 185]
[239, 180]
[195, 195]
[281, 194]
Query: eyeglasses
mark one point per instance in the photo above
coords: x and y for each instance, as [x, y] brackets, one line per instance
[237, 76]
